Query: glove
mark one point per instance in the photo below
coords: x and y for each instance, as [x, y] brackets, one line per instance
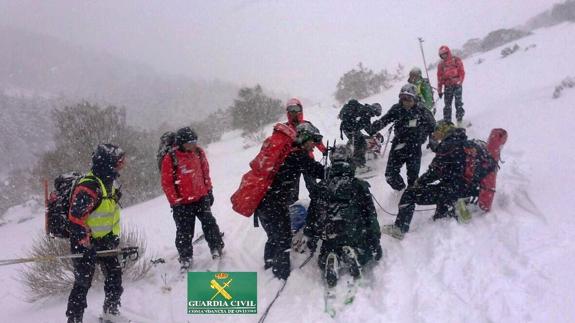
[87, 251]
[211, 197]
[300, 242]
[416, 184]
[117, 196]
[440, 95]
[312, 244]
[377, 252]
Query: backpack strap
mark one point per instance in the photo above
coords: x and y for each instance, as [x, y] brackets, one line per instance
[172, 154]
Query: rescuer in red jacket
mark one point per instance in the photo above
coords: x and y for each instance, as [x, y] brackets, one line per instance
[186, 182]
[450, 73]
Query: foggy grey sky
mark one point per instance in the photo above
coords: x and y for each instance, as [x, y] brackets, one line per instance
[301, 47]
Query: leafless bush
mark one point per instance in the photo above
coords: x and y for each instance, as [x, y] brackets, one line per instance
[509, 50]
[43, 279]
[254, 138]
[568, 82]
[362, 82]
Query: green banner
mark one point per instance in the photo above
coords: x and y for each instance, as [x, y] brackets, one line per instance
[222, 293]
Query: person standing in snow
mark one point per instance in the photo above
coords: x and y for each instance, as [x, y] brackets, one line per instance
[442, 184]
[355, 118]
[272, 211]
[347, 223]
[412, 124]
[450, 73]
[94, 225]
[186, 181]
[294, 111]
[424, 90]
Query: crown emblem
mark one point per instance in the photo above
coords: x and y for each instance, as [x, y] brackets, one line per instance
[221, 275]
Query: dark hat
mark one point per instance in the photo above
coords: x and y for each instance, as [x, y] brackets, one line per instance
[376, 109]
[307, 131]
[107, 156]
[340, 153]
[186, 135]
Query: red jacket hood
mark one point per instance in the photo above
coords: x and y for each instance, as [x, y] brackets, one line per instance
[444, 48]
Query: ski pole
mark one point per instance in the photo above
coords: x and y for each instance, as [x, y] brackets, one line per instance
[423, 55]
[325, 161]
[425, 66]
[127, 253]
[45, 205]
[306, 260]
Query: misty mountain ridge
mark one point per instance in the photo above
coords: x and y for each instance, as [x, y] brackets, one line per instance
[33, 64]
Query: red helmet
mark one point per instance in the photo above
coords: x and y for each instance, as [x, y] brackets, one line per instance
[294, 105]
[293, 101]
[444, 50]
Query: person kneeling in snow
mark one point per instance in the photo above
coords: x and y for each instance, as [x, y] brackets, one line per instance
[347, 223]
[442, 184]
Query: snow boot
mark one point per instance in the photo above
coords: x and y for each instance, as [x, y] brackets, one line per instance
[331, 270]
[450, 213]
[74, 319]
[362, 169]
[112, 314]
[350, 258]
[185, 264]
[393, 230]
[216, 253]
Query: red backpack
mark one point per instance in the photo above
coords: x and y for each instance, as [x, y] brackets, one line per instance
[263, 168]
[478, 163]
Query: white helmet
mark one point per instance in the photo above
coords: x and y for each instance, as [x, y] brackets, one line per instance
[408, 89]
[415, 71]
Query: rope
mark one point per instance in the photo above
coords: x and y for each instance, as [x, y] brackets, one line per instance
[384, 210]
[381, 207]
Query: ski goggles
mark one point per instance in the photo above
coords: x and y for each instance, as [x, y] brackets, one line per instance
[406, 97]
[293, 108]
[303, 137]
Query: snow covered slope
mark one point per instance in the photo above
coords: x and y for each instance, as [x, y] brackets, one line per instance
[511, 265]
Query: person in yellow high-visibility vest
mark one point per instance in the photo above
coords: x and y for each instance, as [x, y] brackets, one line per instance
[94, 225]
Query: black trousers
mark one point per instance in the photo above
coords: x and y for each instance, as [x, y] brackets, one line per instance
[84, 272]
[442, 195]
[451, 92]
[185, 218]
[274, 218]
[410, 155]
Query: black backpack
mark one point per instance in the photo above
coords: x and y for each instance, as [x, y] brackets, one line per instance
[58, 205]
[348, 116]
[167, 142]
[342, 216]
